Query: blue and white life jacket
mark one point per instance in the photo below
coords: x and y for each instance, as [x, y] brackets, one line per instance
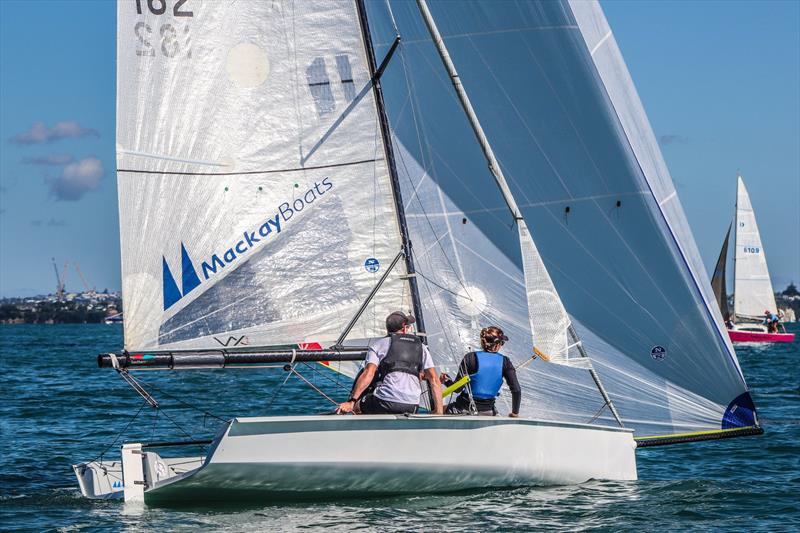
[486, 382]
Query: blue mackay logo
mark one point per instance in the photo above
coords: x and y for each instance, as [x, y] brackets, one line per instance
[191, 277]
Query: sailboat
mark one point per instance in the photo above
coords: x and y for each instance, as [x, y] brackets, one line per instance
[277, 160]
[752, 287]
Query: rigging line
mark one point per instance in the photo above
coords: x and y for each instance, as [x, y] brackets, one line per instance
[277, 390]
[327, 376]
[495, 32]
[190, 406]
[246, 172]
[101, 454]
[597, 414]
[178, 426]
[429, 280]
[292, 370]
[155, 423]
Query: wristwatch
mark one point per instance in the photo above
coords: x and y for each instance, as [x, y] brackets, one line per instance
[352, 399]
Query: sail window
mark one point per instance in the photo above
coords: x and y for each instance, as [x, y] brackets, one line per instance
[346, 77]
[320, 86]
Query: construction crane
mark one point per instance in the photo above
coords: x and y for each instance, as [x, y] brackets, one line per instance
[60, 279]
[90, 290]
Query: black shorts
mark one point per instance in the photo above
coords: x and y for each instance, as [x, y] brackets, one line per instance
[372, 405]
[462, 406]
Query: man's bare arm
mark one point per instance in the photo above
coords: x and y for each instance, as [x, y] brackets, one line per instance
[436, 388]
[364, 379]
[362, 383]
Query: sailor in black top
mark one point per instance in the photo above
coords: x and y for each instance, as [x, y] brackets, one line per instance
[486, 369]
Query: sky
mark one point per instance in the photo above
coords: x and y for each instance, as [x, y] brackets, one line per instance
[720, 82]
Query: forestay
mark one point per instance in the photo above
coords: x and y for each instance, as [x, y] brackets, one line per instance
[255, 202]
[752, 287]
[557, 103]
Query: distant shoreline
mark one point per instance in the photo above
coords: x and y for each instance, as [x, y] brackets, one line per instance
[81, 308]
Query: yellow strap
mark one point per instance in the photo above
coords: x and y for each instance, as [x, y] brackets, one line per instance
[455, 386]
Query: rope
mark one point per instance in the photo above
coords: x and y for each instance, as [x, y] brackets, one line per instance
[327, 376]
[275, 394]
[186, 404]
[100, 456]
[291, 370]
[597, 414]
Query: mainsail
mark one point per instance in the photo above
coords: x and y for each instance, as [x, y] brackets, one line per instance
[718, 281]
[556, 100]
[256, 204]
[752, 287]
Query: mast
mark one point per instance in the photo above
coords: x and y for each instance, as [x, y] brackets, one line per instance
[497, 172]
[387, 143]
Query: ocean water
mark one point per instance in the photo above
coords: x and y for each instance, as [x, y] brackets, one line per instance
[58, 408]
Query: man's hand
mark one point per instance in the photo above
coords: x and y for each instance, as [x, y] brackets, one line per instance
[443, 377]
[345, 407]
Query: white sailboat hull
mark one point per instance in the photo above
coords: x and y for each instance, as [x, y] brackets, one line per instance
[328, 456]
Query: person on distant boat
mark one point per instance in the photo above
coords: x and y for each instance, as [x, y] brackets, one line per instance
[486, 369]
[771, 321]
[393, 367]
[729, 323]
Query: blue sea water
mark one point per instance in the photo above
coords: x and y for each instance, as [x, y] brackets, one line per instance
[58, 408]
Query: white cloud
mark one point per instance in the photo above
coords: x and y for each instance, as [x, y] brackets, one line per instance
[77, 178]
[39, 133]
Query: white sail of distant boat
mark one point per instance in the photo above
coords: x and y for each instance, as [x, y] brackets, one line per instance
[277, 161]
[752, 287]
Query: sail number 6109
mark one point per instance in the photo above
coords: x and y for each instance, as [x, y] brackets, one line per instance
[159, 7]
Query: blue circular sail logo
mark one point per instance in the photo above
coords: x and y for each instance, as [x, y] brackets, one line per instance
[658, 353]
[372, 265]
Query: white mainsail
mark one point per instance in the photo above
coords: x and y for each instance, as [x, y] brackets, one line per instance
[752, 287]
[256, 205]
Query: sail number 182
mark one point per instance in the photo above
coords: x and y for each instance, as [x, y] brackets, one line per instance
[159, 7]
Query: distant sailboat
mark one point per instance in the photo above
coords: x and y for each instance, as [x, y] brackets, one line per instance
[273, 171]
[752, 287]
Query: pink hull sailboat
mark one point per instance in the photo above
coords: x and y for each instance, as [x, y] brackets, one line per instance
[738, 335]
[752, 287]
